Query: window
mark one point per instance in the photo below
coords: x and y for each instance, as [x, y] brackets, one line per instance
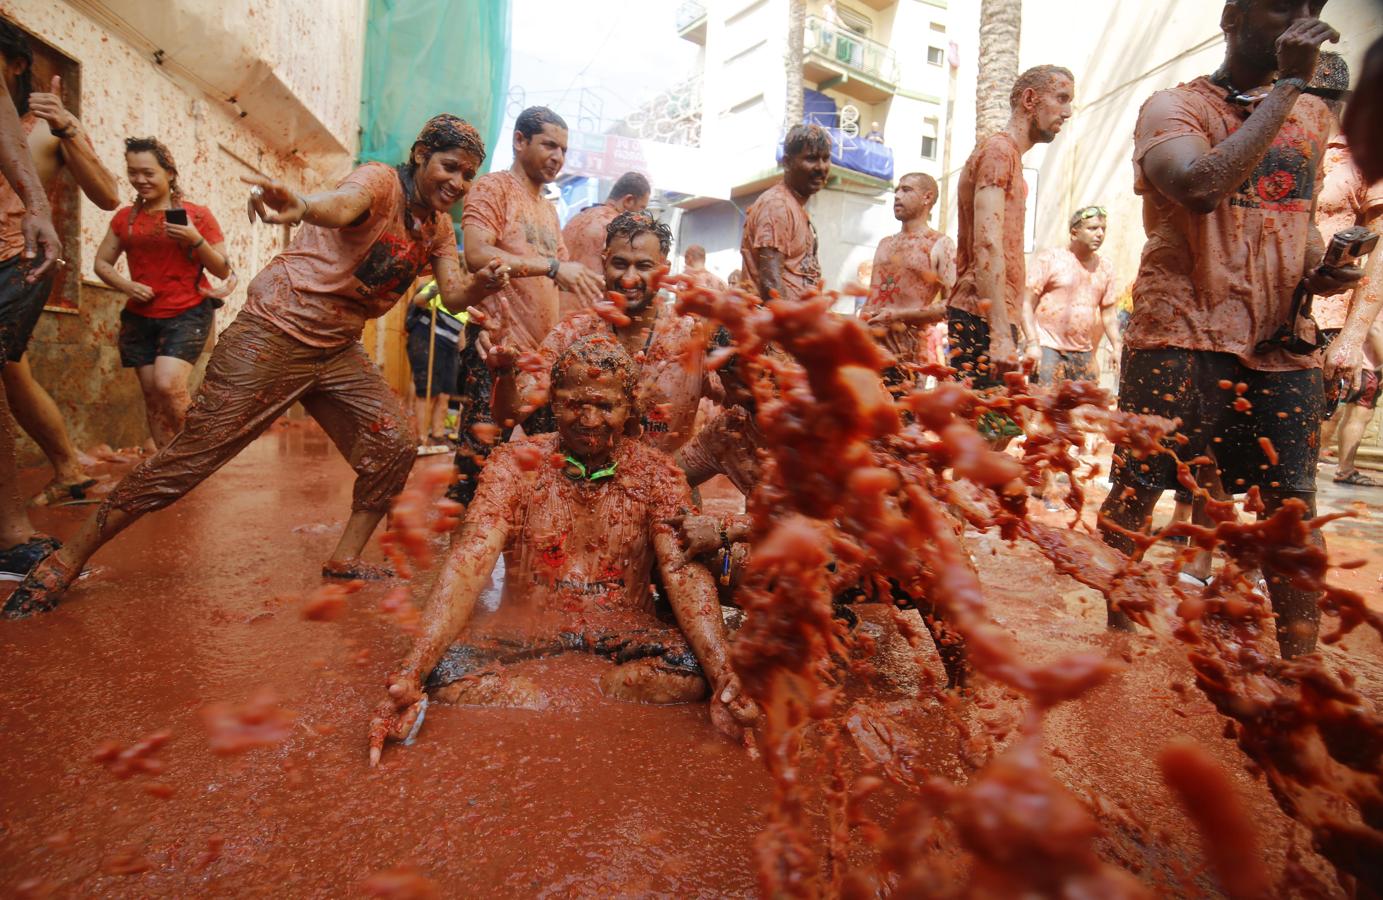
[936, 56]
[937, 26]
[930, 129]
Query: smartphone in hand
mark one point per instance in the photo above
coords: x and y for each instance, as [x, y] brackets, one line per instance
[175, 216]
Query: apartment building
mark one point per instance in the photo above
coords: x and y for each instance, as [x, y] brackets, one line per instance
[864, 61]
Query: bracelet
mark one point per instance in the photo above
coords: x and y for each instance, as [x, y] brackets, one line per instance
[63, 134]
[307, 208]
[1298, 83]
[200, 242]
[552, 266]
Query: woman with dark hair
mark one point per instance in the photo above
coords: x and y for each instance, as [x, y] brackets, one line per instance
[297, 340]
[169, 244]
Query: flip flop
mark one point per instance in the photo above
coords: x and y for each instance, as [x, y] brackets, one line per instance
[73, 494]
[1358, 479]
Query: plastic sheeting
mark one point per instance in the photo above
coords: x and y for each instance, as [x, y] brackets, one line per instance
[424, 57]
[851, 152]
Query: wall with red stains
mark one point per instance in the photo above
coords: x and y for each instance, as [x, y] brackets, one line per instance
[232, 87]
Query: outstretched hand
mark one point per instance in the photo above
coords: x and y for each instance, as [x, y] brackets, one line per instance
[271, 201]
[396, 717]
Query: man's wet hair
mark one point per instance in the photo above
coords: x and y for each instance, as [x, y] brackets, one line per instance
[1038, 78]
[14, 44]
[806, 138]
[631, 184]
[630, 225]
[532, 120]
[164, 157]
[928, 182]
[601, 351]
[695, 251]
[447, 132]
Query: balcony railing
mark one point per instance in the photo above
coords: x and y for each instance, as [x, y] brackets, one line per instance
[856, 53]
[688, 13]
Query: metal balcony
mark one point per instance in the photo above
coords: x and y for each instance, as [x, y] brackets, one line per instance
[839, 59]
[691, 21]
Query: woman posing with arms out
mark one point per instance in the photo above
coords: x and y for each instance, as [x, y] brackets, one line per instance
[169, 244]
[298, 339]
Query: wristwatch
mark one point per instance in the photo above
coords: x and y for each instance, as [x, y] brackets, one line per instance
[63, 134]
[1299, 83]
[552, 266]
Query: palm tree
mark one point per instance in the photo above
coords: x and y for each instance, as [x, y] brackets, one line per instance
[792, 62]
[1001, 24]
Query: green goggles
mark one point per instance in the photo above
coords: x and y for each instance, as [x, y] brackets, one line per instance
[1090, 212]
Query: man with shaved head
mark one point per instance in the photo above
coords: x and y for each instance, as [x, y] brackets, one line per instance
[912, 270]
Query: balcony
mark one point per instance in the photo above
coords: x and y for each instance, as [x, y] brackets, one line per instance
[838, 59]
[691, 21]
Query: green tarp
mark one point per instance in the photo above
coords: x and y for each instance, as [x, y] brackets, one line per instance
[424, 57]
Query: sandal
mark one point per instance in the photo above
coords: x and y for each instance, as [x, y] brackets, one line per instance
[1358, 479]
[73, 494]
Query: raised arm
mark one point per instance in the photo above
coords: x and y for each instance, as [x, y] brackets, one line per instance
[695, 605]
[18, 168]
[449, 607]
[95, 180]
[277, 204]
[1192, 173]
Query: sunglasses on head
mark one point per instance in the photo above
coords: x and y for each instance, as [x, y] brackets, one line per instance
[1090, 212]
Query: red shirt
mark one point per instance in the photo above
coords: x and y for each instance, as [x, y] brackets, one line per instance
[162, 263]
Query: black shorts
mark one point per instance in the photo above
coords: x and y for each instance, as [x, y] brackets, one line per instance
[142, 339]
[1066, 365]
[446, 363]
[20, 306]
[968, 336]
[1286, 408]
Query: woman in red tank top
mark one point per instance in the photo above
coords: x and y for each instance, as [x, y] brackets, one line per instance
[169, 245]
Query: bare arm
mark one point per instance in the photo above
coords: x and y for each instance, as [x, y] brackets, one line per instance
[106, 256]
[18, 168]
[991, 275]
[1192, 173]
[692, 596]
[482, 250]
[770, 265]
[449, 608]
[1345, 358]
[279, 205]
[462, 290]
[1109, 318]
[211, 256]
[95, 180]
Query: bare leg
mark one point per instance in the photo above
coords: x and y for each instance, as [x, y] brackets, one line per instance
[1331, 426]
[422, 417]
[95, 532]
[1128, 508]
[439, 414]
[14, 521]
[165, 397]
[651, 681]
[355, 535]
[1351, 435]
[1298, 612]
[41, 419]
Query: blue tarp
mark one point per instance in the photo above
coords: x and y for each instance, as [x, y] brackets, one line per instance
[851, 152]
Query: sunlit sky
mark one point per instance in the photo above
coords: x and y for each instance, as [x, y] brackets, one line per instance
[622, 52]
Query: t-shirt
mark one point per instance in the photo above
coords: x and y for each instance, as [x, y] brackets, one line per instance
[1069, 298]
[779, 221]
[1346, 200]
[576, 546]
[524, 225]
[726, 445]
[12, 208]
[672, 374]
[909, 272]
[584, 238]
[169, 268]
[330, 281]
[1223, 281]
[996, 162]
